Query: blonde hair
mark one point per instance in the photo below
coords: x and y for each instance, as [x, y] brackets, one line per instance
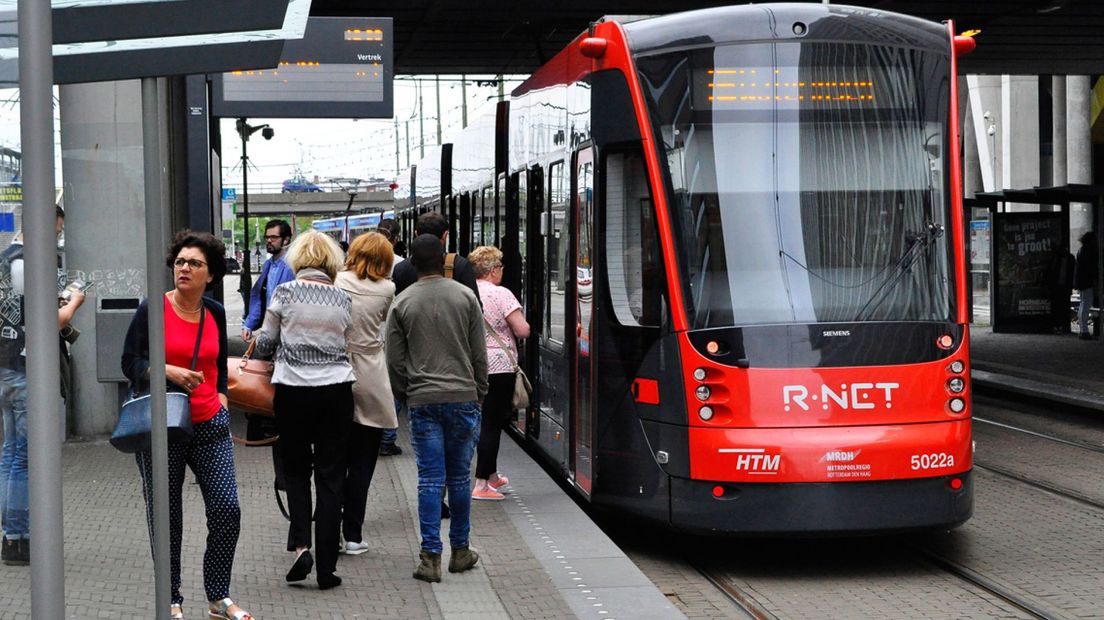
[485, 258]
[370, 256]
[312, 249]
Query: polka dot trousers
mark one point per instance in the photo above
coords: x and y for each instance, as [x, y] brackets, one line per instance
[210, 455]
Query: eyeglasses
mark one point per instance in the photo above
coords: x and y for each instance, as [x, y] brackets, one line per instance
[194, 263]
[273, 237]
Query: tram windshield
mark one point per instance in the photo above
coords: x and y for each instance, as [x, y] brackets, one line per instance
[810, 181]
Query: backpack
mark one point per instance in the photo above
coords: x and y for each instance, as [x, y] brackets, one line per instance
[450, 263]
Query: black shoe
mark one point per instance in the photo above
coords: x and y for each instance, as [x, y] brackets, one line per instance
[390, 449]
[302, 567]
[445, 512]
[16, 552]
[1085, 337]
[326, 582]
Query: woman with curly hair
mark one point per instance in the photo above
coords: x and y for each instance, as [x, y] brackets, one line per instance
[504, 322]
[197, 262]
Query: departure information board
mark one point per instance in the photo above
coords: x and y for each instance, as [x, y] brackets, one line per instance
[341, 68]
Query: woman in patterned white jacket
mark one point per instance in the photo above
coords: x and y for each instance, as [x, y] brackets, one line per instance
[305, 325]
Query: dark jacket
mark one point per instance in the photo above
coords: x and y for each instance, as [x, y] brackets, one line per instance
[405, 274]
[1085, 271]
[136, 346]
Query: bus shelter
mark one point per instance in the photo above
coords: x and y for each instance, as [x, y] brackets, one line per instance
[1029, 254]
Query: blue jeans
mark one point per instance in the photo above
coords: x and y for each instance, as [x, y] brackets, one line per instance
[444, 438]
[1083, 310]
[13, 464]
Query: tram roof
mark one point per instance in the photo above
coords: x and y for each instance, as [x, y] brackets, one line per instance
[453, 36]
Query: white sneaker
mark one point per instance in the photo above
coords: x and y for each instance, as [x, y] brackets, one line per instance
[355, 548]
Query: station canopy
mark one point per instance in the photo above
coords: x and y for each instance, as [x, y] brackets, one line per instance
[100, 40]
[459, 36]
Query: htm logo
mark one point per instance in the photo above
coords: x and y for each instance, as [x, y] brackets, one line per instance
[755, 461]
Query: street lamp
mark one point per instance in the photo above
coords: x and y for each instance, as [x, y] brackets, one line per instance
[991, 131]
[245, 130]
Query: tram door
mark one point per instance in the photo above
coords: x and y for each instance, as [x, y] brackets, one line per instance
[582, 415]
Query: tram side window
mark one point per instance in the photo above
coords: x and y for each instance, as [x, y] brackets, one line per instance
[500, 213]
[632, 246]
[520, 186]
[486, 235]
[558, 245]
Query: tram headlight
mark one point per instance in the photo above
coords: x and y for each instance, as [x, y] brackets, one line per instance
[702, 393]
[699, 374]
[957, 405]
[957, 367]
[956, 385]
[705, 413]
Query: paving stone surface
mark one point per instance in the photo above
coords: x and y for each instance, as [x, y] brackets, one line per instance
[109, 572]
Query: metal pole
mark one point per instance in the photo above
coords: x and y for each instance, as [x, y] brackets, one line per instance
[246, 284]
[437, 83]
[36, 106]
[155, 289]
[396, 148]
[407, 125]
[464, 99]
[421, 123]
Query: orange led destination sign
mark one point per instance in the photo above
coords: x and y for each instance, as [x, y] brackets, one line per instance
[758, 85]
[341, 68]
[371, 34]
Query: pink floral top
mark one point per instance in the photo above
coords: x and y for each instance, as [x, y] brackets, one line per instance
[498, 303]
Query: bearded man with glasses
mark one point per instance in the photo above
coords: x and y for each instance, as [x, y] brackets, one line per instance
[274, 273]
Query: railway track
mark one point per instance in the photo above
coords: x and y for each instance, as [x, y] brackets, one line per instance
[743, 601]
[988, 585]
[1035, 482]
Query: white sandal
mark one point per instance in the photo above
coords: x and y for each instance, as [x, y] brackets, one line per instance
[176, 612]
[219, 611]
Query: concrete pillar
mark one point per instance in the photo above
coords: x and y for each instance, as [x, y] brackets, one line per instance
[1078, 147]
[1019, 134]
[971, 160]
[101, 147]
[1058, 97]
[985, 113]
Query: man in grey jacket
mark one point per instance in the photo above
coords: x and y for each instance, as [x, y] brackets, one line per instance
[437, 361]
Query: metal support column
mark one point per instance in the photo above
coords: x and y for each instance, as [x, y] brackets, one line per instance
[153, 169]
[36, 109]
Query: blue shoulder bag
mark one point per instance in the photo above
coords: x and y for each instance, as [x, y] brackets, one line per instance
[132, 432]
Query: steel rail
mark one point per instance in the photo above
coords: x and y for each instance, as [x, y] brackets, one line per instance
[1043, 486]
[990, 586]
[743, 601]
[1069, 442]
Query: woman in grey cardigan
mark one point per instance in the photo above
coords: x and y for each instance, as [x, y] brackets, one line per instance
[365, 279]
[305, 325]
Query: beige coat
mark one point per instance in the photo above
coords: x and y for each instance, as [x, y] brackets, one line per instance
[375, 406]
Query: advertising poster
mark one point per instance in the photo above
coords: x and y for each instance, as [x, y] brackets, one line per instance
[1030, 250]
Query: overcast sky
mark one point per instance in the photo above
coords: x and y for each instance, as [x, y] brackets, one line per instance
[323, 148]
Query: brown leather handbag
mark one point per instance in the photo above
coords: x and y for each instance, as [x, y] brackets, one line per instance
[249, 383]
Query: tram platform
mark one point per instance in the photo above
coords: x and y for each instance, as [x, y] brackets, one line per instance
[1055, 367]
[541, 555]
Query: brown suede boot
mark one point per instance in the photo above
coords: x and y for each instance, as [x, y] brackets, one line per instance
[462, 559]
[429, 569]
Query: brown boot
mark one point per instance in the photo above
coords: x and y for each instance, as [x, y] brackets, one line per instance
[429, 569]
[462, 559]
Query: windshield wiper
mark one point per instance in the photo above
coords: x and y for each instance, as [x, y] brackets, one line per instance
[900, 268]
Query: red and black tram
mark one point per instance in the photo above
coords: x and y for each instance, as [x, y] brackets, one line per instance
[738, 237]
